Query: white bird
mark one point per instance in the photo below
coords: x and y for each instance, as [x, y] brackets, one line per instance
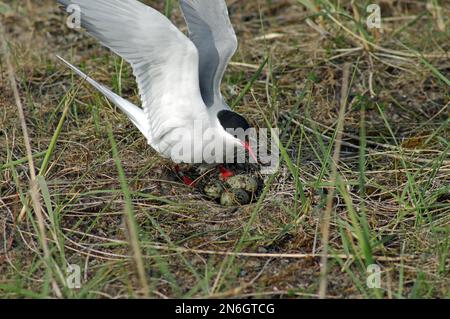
[183, 111]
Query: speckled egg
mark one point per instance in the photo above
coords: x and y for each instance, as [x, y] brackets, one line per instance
[214, 191]
[235, 197]
[244, 182]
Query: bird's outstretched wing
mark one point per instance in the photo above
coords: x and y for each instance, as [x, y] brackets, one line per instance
[211, 31]
[164, 60]
[134, 113]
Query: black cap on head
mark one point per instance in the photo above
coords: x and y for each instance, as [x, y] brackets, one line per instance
[232, 121]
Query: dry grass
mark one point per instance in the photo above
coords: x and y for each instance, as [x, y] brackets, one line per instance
[390, 196]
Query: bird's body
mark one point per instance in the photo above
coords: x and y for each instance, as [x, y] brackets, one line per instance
[183, 116]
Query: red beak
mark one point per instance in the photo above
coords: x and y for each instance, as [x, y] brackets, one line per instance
[249, 149]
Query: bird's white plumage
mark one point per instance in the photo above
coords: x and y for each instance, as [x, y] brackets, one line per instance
[166, 66]
[164, 60]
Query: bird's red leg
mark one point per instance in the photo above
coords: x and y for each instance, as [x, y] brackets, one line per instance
[186, 180]
[225, 174]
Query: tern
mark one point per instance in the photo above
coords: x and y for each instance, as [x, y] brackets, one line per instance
[183, 111]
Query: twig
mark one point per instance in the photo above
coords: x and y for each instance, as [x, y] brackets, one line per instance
[326, 219]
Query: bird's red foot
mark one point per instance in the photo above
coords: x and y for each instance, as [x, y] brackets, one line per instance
[225, 174]
[186, 180]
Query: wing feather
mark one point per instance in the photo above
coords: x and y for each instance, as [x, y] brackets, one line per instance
[164, 60]
[211, 31]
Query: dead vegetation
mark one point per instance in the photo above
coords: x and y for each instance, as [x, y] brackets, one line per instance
[390, 202]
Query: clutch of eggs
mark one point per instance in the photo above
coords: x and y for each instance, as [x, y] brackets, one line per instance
[237, 190]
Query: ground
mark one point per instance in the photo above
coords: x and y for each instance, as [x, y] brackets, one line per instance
[383, 179]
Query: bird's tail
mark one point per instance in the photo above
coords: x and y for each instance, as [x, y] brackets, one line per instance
[134, 113]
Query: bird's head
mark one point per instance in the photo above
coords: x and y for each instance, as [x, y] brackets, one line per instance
[233, 123]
